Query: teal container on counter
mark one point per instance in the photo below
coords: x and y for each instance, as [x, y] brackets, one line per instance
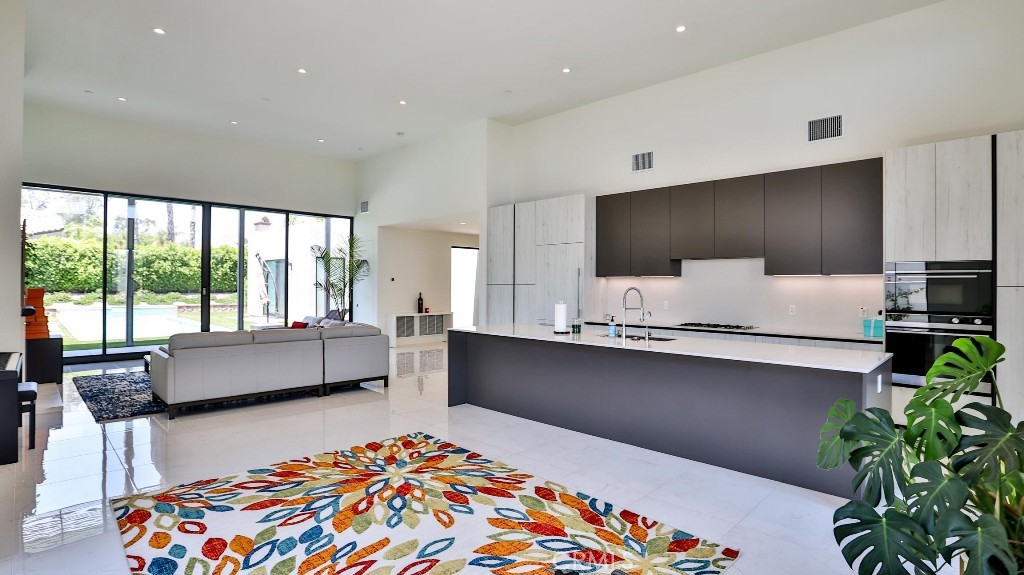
[874, 327]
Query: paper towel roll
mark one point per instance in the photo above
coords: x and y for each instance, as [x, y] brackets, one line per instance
[560, 318]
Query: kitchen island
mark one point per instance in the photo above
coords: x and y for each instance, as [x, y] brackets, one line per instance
[753, 407]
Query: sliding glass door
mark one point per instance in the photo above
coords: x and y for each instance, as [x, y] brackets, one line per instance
[123, 273]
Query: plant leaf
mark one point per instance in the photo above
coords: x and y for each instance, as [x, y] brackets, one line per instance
[934, 495]
[994, 452]
[882, 542]
[879, 460]
[957, 372]
[983, 541]
[932, 430]
[833, 450]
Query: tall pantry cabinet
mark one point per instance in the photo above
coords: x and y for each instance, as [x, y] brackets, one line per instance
[1010, 268]
[544, 244]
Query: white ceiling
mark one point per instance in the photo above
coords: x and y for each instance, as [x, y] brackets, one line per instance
[452, 60]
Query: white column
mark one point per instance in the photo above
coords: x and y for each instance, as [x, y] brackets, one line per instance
[12, 104]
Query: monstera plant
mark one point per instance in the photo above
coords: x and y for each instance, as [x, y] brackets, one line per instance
[947, 490]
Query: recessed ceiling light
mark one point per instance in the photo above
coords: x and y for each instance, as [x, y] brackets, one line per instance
[508, 92]
[402, 102]
[120, 99]
[233, 122]
[680, 28]
[462, 223]
[399, 134]
[320, 140]
[301, 70]
[88, 91]
[159, 31]
[360, 149]
[566, 70]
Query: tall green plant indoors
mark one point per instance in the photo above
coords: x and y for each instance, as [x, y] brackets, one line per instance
[342, 268]
[950, 487]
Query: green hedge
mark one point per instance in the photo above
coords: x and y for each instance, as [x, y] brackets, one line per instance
[62, 265]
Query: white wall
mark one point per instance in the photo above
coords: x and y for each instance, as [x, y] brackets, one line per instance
[415, 261]
[71, 148]
[12, 78]
[948, 70]
[442, 176]
[737, 291]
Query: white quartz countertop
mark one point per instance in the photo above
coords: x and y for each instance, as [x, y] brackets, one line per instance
[803, 332]
[777, 354]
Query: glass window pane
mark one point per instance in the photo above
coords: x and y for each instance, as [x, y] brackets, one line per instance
[464, 261]
[224, 286]
[341, 229]
[64, 256]
[166, 271]
[117, 271]
[265, 268]
[305, 234]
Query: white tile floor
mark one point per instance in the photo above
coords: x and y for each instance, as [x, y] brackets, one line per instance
[54, 517]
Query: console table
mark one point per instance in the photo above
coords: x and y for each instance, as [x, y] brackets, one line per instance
[416, 328]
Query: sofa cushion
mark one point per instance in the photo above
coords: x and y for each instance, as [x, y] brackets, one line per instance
[211, 339]
[311, 320]
[283, 335]
[331, 323]
[350, 330]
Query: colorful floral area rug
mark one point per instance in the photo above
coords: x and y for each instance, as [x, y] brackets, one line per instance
[411, 505]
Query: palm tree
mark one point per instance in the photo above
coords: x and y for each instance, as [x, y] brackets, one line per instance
[342, 268]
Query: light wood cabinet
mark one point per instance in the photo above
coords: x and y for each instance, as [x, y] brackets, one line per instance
[1010, 326]
[560, 220]
[559, 278]
[963, 199]
[499, 304]
[500, 244]
[525, 243]
[525, 307]
[1010, 209]
[909, 180]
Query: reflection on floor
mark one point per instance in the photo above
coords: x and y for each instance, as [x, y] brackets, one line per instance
[54, 517]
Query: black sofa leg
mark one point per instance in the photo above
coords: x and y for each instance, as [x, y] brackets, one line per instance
[385, 381]
[171, 411]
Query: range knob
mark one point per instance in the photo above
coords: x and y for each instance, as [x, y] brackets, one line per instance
[955, 320]
[977, 321]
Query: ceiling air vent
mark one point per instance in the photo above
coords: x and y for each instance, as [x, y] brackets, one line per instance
[824, 128]
[364, 207]
[644, 161]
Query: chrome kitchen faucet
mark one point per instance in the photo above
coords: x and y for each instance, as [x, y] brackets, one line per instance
[643, 315]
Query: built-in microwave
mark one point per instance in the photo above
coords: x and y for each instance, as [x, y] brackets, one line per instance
[955, 288]
[929, 305]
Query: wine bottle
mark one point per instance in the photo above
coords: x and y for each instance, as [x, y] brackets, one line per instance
[419, 304]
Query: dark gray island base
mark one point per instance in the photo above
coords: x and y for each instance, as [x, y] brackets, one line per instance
[750, 416]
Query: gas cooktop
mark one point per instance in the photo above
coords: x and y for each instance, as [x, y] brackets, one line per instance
[718, 326]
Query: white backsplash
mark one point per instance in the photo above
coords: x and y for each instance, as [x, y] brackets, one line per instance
[737, 291]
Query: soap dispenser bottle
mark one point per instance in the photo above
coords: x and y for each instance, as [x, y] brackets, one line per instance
[612, 328]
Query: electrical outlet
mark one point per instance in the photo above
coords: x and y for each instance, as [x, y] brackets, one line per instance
[863, 312]
[664, 304]
[792, 310]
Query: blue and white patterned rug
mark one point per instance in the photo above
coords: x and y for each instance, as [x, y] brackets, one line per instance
[118, 395]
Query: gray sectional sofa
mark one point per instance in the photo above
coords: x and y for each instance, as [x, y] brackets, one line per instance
[203, 368]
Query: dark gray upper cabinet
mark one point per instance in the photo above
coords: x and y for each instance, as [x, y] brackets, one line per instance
[693, 222]
[649, 236]
[739, 217]
[792, 222]
[612, 248]
[851, 218]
